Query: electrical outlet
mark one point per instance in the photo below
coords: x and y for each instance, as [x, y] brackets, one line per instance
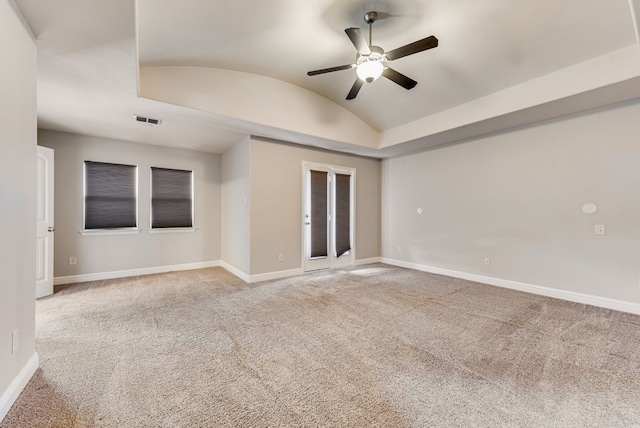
[73, 261]
[14, 342]
[280, 257]
[399, 249]
[487, 261]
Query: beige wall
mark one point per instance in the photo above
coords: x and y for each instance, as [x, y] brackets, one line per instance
[248, 98]
[17, 197]
[236, 204]
[517, 198]
[276, 203]
[248, 206]
[108, 253]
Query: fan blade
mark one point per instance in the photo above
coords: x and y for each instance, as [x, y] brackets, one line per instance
[355, 89]
[358, 40]
[412, 48]
[329, 70]
[399, 78]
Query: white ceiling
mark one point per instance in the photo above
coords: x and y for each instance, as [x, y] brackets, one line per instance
[88, 58]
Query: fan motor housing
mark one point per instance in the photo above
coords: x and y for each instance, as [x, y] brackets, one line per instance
[370, 17]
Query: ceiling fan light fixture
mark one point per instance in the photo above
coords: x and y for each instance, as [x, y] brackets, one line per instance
[370, 59]
[370, 67]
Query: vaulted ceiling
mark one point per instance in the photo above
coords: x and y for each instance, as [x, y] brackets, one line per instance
[216, 71]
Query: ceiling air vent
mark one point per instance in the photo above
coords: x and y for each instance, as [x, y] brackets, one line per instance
[148, 120]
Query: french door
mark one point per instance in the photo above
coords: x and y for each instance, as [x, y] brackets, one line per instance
[328, 216]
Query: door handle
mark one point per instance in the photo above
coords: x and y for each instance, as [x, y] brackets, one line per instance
[51, 229]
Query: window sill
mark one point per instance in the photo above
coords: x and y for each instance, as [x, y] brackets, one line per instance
[93, 232]
[173, 230]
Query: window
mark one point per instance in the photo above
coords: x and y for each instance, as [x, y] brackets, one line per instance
[171, 198]
[321, 198]
[318, 200]
[342, 214]
[110, 196]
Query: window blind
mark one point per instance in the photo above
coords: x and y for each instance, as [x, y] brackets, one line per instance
[318, 214]
[110, 196]
[343, 213]
[171, 198]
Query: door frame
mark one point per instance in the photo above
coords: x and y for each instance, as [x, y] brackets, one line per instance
[331, 260]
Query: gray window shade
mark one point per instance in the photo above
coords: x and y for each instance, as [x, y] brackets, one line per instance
[318, 214]
[171, 204]
[343, 214]
[110, 196]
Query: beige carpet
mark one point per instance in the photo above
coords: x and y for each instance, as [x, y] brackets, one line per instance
[366, 346]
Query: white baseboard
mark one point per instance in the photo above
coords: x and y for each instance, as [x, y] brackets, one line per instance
[260, 276]
[369, 261]
[172, 268]
[234, 270]
[73, 279]
[299, 271]
[603, 302]
[19, 382]
[283, 273]
[275, 275]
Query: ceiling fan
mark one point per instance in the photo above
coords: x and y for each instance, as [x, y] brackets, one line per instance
[370, 60]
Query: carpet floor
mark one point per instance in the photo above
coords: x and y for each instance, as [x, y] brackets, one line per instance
[364, 346]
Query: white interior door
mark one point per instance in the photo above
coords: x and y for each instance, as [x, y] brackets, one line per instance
[328, 216]
[45, 227]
